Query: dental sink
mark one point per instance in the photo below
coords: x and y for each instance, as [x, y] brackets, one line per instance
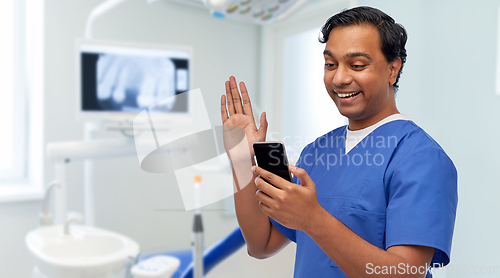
[83, 252]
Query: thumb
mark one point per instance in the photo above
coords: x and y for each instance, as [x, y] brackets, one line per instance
[263, 126]
[304, 178]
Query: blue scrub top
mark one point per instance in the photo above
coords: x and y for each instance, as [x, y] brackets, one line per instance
[396, 187]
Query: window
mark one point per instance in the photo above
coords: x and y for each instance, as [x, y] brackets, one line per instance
[292, 91]
[497, 87]
[12, 123]
[303, 70]
[21, 48]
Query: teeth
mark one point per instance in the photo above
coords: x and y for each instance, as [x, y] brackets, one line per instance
[346, 95]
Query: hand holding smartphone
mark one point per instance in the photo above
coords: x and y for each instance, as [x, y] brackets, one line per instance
[271, 156]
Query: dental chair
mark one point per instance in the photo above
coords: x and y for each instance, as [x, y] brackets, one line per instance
[212, 255]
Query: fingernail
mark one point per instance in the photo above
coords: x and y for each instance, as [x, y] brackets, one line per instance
[254, 168]
[293, 167]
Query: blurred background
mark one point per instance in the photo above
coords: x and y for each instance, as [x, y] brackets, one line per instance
[450, 87]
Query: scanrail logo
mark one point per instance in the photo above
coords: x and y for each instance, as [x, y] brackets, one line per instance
[189, 147]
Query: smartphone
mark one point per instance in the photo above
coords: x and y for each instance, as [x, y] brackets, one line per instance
[271, 156]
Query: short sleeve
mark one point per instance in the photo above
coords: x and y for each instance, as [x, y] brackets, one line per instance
[421, 189]
[289, 233]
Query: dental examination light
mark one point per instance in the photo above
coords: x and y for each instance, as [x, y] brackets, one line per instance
[254, 11]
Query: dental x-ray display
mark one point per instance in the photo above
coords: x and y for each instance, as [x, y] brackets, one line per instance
[117, 81]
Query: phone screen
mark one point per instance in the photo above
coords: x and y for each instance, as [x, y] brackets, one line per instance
[271, 157]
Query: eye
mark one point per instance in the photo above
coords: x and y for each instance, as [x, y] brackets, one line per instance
[330, 66]
[358, 67]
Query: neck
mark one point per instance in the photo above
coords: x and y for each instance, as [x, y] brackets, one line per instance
[357, 124]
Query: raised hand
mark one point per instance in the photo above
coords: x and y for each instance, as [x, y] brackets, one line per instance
[239, 123]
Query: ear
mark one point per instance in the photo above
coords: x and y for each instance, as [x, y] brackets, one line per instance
[394, 68]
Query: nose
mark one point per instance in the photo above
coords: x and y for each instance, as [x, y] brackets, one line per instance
[342, 77]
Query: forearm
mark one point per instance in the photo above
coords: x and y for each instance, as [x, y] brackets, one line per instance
[238, 120]
[254, 223]
[355, 256]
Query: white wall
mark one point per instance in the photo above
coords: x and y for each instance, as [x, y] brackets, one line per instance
[448, 88]
[128, 200]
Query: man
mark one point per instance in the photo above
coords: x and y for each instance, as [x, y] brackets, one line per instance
[386, 206]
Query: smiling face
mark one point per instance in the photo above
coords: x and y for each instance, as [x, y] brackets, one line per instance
[358, 77]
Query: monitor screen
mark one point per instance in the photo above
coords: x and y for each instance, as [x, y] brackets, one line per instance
[119, 80]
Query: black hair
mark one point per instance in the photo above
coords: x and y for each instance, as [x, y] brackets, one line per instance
[392, 35]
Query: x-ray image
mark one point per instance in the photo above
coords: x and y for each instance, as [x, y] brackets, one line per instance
[128, 83]
[130, 80]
